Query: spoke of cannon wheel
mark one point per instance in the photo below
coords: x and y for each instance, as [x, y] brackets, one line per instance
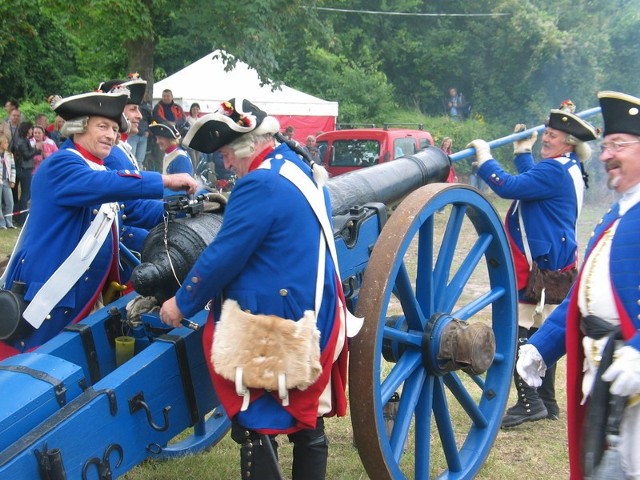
[424, 291]
[448, 246]
[460, 280]
[403, 289]
[478, 380]
[408, 401]
[403, 338]
[466, 401]
[423, 430]
[406, 365]
[445, 427]
[479, 303]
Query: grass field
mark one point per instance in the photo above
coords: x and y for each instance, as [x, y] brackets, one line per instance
[533, 449]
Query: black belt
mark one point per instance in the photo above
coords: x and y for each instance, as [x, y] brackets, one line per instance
[596, 328]
[601, 402]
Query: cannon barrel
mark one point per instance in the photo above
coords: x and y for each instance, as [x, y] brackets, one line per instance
[171, 249]
[169, 252]
[161, 271]
[388, 182]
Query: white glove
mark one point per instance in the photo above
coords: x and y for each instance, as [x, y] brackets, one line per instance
[624, 372]
[524, 145]
[483, 151]
[530, 365]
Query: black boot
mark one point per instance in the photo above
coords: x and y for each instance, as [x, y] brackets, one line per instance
[529, 406]
[547, 391]
[310, 453]
[258, 454]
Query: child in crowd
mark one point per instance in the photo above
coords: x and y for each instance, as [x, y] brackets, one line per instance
[43, 143]
[8, 178]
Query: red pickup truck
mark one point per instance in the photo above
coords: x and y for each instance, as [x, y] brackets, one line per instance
[349, 149]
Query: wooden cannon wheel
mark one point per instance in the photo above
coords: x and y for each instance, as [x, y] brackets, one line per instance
[426, 271]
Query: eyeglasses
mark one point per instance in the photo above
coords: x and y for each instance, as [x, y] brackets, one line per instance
[614, 147]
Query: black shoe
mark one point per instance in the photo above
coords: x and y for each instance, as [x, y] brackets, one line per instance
[553, 411]
[524, 411]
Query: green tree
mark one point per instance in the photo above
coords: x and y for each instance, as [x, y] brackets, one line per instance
[622, 61]
[363, 92]
[161, 37]
[33, 55]
[514, 63]
[88, 41]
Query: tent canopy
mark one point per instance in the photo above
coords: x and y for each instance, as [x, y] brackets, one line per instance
[207, 83]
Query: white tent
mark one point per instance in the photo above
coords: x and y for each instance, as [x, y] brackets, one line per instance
[207, 83]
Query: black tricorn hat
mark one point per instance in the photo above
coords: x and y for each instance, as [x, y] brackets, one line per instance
[135, 85]
[234, 118]
[93, 104]
[164, 130]
[621, 112]
[572, 124]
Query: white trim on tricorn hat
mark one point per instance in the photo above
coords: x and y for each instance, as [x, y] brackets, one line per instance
[620, 112]
[93, 104]
[135, 88]
[572, 124]
[164, 130]
[233, 119]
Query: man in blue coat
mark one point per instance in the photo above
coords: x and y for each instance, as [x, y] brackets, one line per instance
[541, 225]
[274, 256]
[604, 303]
[176, 159]
[122, 158]
[67, 254]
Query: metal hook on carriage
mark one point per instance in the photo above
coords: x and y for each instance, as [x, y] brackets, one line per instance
[103, 465]
[50, 463]
[137, 402]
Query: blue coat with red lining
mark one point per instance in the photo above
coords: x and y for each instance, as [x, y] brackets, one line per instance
[266, 258]
[546, 193]
[66, 195]
[560, 333]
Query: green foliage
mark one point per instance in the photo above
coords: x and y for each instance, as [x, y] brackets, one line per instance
[514, 63]
[623, 57]
[33, 55]
[363, 92]
[31, 109]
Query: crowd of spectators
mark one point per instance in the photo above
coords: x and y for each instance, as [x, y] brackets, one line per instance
[31, 140]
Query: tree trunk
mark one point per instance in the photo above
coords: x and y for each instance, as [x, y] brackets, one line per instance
[140, 52]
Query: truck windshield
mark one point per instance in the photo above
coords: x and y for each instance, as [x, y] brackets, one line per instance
[355, 153]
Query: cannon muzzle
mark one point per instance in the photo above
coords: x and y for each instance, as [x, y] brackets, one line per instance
[169, 252]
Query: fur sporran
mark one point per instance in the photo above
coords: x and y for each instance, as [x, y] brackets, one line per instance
[555, 283]
[264, 347]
